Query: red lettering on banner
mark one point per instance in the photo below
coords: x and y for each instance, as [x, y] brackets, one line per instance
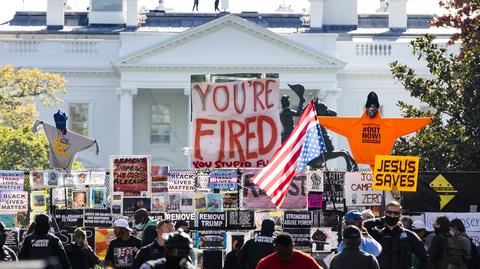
[257, 94]
[268, 91]
[273, 138]
[235, 89]
[227, 98]
[199, 132]
[233, 139]
[250, 135]
[221, 152]
[203, 95]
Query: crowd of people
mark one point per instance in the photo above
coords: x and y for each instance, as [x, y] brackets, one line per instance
[389, 242]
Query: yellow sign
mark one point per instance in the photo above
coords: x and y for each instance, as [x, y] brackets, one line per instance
[445, 190]
[400, 172]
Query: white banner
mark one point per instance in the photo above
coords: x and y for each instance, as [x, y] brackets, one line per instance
[358, 190]
[13, 202]
[470, 220]
[235, 124]
[315, 180]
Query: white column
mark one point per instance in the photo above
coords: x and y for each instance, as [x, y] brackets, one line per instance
[132, 13]
[397, 17]
[126, 120]
[55, 13]
[316, 13]
[187, 92]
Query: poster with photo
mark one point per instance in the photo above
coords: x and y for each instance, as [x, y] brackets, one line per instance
[38, 200]
[186, 205]
[96, 178]
[117, 203]
[214, 202]
[54, 178]
[130, 174]
[159, 179]
[103, 237]
[323, 239]
[79, 198]
[131, 204]
[159, 202]
[98, 197]
[200, 200]
[276, 216]
[59, 196]
[80, 178]
[230, 200]
[37, 180]
[173, 202]
[11, 180]
[10, 220]
[210, 239]
[325, 218]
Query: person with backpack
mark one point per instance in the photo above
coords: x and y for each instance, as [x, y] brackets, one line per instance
[457, 229]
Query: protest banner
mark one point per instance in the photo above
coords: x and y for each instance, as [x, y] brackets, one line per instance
[471, 221]
[359, 190]
[315, 200]
[159, 178]
[11, 180]
[400, 172]
[200, 202]
[233, 238]
[210, 239]
[37, 180]
[103, 237]
[59, 196]
[241, 220]
[297, 219]
[38, 200]
[131, 204]
[202, 180]
[211, 221]
[230, 200]
[98, 197]
[301, 238]
[159, 202]
[188, 217]
[67, 235]
[98, 217]
[255, 198]
[186, 205]
[80, 198]
[12, 240]
[223, 179]
[315, 180]
[235, 124]
[181, 180]
[131, 174]
[69, 217]
[214, 202]
[13, 202]
[333, 189]
[323, 239]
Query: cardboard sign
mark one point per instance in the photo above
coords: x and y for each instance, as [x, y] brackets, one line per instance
[241, 220]
[223, 179]
[396, 171]
[98, 218]
[315, 180]
[103, 237]
[211, 221]
[181, 180]
[211, 240]
[236, 124]
[295, 220]
[69, 217]
[130, 173]
[471, 221]
[13, 202]
[11, 180]
[359, 190]
[334, 189]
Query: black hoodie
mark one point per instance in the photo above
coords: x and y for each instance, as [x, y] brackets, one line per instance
[258, 247]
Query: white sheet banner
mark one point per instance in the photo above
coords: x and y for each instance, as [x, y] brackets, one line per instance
[470, 220]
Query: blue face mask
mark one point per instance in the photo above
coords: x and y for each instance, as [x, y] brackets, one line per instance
[139, 226]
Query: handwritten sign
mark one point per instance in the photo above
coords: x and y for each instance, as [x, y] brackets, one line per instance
[131, 174]
[13, 201]
[181, 180]
[396, 171]
[223, 179]
[359, 190]
[11, 180]
[236, 124]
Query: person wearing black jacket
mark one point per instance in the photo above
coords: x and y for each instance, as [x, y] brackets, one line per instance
[258, 247]
[41, 244]
[156, 249]
[398, 244]
[232, 261]
[80, 253]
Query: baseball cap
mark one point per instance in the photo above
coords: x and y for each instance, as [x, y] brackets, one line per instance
[418, 225]
[351, 232]
[121, 223]
[353, 216]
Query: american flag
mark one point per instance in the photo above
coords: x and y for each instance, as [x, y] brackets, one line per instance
[304, 144]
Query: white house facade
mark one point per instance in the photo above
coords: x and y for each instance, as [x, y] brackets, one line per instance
[129, 85]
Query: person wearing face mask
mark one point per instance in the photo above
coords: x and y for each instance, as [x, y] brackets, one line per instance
[145, 227]
[7, 254]
[464, 244]
[368, 244]
[286, 257]
[398, 244]
[177, 253]
[122, 249]
[156, 249]
[80, 253]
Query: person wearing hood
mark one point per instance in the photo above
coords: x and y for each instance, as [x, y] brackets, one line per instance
[80, 253]
[145, 227]
[156, 249]
[258, 247]
[398, 244]
[41, 244]
[7, 254]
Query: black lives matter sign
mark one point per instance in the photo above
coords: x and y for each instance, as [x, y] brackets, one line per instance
[296, 220]
[240, 220]
[211, 221]
[98, 218]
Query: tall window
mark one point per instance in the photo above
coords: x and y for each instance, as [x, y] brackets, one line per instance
[160, 124]
[106, 5]
[78, 118]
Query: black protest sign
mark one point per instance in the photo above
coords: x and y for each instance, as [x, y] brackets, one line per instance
[301, 239]
[12, 240]
[443, 192]
[67, 235]
[211, 221]
[188, 217]
[131, 204]
[334, 189]
[211, 240]
[294, 220]
[240, 220]
[98, 218]
[69, 217]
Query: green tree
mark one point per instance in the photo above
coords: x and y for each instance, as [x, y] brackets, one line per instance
[452, 141]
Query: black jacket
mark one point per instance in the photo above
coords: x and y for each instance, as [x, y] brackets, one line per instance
[149, 252]
[398, 245]
[354, 258]
[254, 250]
[232, 261]
[81, 258]
[41, 246]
